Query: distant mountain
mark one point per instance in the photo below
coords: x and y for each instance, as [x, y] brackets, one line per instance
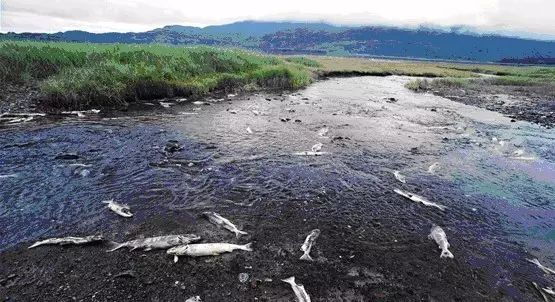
[326, 39]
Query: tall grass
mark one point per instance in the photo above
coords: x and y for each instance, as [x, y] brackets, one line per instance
[73, 75]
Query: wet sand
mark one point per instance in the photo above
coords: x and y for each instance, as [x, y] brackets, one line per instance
[373, 244]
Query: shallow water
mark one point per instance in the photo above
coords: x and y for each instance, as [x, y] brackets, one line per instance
[501, 209]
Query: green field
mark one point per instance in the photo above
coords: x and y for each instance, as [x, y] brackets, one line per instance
[80, 75]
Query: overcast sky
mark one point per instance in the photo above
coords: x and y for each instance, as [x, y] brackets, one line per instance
[532, 16]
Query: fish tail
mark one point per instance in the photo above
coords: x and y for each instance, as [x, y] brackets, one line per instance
[238, 233]
[446, 254]
[247, 247]
[290, 280]
[115, 246]
[306, 257]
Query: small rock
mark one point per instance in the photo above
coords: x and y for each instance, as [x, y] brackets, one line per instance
[298, 121]
[433, 110]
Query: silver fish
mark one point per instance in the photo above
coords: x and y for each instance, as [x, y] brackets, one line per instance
[400, 177]
[68, 241]
[298, 289]
[545, 269]
[433, 168]
[440, 238]
[218, 220]
[308, 243]
[317, 147]
[160, 242]
[541, 291]
[206, 249]
[120, 209]
[309, 153]
[419, 199]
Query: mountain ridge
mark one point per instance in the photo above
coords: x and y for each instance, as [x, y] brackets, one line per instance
[455, 43]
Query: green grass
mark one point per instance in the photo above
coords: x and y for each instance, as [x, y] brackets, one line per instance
[73, 75]
[304, 61]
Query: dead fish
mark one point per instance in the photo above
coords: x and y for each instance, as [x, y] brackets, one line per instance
[317, 147]
[524, 158]
[298, 289]
[165, 105]
[206, 249]
[199, 103]
[400, 177]
[541, 291]
[545, 269]
[308, 243]
[194, 299]
[249, 130]
[68, 241]
[188, 113]
[419, 199]
[160, 242]
[323, 131]
[232, 111]
[256, 112]
[433, 168]
[218, 220]
[120, 209]
[440, 238]
[309, 153]
[8, 176]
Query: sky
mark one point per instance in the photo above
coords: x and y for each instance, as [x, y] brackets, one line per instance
[533, 18]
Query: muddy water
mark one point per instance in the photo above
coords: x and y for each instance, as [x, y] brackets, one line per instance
[497, 179]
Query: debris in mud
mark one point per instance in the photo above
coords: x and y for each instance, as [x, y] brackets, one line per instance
[68, 241]
[317, 147]
[249, 130]
[324, 131]
[232, 111]
[285, 120]
[243, 277]
[198, 103]
[419, 199]
[545, 269]
[439, 236]
[120, 209]
[206, 249]
[391, 100]
[172, 146]
[220, 221]
[298, 121]
[308, 243]
[67, 156]
[160, 242]
[298, 289]
[256, 112]
[400, 177]
[194, 299]
[126, 274]
[433, 168]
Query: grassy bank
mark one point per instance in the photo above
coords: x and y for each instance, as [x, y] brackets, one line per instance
[71, 75]
[78, 76]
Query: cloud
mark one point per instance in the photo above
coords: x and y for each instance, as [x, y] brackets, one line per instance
[139, 15]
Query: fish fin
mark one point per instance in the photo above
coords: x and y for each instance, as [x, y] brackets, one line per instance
[175, 259]
[115, 246]
[306, 257]
[247, 247]
[290, 280]
[446, 254]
